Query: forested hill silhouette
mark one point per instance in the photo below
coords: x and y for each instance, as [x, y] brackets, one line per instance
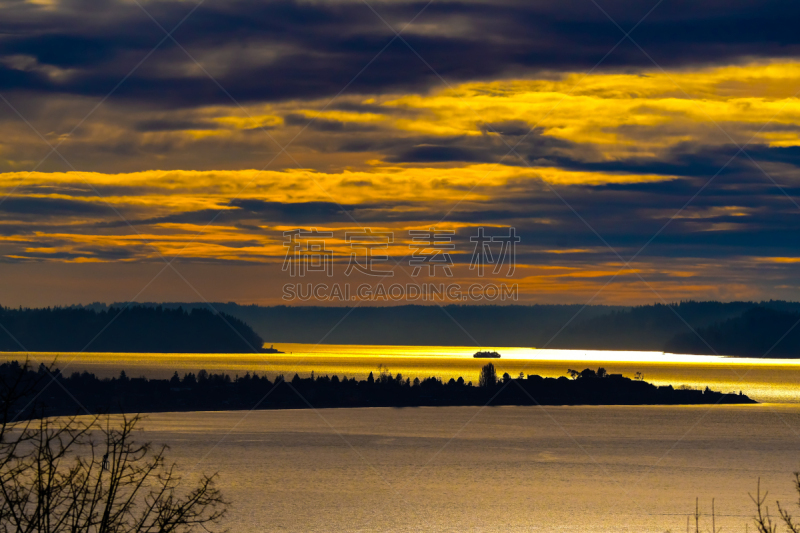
[455, 325]
[758, 332]
[125, 329]
[648, 327]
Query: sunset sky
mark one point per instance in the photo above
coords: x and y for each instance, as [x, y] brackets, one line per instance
[158, 151]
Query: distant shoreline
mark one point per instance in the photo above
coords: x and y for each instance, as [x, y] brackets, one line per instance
[736, 329]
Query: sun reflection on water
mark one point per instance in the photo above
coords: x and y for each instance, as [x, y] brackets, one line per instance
[766, 380]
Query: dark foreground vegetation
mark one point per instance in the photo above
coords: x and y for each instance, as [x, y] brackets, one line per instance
[125, 329]
[61, 395]
[91, 474]
[764, 521]
[681, 327]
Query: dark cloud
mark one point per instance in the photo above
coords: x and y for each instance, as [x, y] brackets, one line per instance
[684, 159]
[99, 253]
[248, 213]
[513, 128]
[438, 153]
[50, 207]
[294, 212]
[173, 125]
[280, 50]
[326, 125]
[494, 147]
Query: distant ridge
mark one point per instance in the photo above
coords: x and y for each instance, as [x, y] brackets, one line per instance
[672, 328]
[420, 325]
[120, 329]
[758, 332]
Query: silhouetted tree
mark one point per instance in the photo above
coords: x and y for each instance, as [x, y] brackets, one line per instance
[384, 376]
[487, 376]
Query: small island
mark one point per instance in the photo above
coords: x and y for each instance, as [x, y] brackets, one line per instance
[219, 392]
[486, 355]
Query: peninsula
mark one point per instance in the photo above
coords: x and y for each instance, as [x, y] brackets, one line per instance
[128, 328]
[219, 392]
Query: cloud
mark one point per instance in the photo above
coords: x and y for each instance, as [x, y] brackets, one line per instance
[50, 207]
[173, 125]
[325, 124]
[434, 154]
[336, 120]
[286, 50]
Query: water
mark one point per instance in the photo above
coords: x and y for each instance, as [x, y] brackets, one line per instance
[571, 469]
[455, 469]
[766, 380]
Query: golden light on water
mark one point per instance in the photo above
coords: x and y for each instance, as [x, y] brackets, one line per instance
[766, 380]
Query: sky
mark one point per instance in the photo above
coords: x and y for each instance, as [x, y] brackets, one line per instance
[165, 150]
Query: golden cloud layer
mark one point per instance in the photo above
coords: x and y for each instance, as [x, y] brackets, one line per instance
[614, 111]
[610, 116]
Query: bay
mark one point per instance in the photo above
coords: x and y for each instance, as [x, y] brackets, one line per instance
[455, 469]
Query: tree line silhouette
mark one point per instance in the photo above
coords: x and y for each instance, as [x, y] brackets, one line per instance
[214, 392]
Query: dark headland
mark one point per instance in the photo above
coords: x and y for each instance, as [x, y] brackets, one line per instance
[140, 329]
[217, 392]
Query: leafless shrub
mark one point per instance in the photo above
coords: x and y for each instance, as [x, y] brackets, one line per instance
[88, 474]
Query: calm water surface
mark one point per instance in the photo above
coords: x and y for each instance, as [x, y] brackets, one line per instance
[575, 469]
[498, 469]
